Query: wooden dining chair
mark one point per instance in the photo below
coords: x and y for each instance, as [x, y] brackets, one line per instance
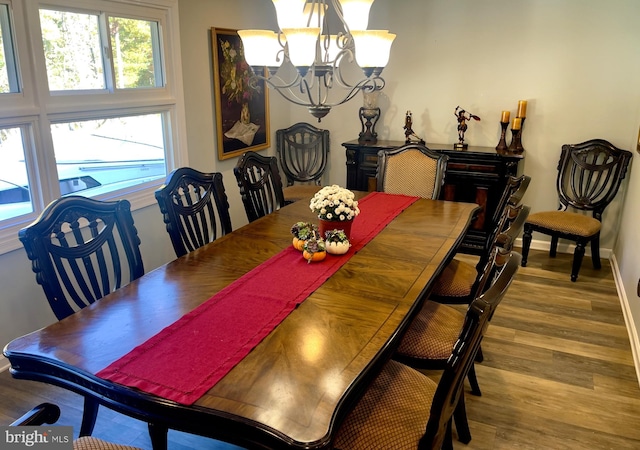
[194, 207]
[49, 413]
[460, 281]
[589, 176]
[260, 184]
[394, 409]
[412, 169]
[303, 152]
[511, 196]
[81, 250]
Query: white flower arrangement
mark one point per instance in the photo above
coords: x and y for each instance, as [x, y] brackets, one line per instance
[334, 203]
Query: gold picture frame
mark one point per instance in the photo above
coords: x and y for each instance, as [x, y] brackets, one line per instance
[242, 110]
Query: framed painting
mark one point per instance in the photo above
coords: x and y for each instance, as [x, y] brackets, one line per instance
[242, 108]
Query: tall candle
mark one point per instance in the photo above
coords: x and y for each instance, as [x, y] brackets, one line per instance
[505, 117]
[517, 123]
[522, 108]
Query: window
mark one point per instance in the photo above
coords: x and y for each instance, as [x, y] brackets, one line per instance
[85, 103]
[15, 199]
[8, 69]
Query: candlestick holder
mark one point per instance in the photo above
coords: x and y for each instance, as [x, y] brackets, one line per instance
[368, 118]
[502, 144]
[516, 139]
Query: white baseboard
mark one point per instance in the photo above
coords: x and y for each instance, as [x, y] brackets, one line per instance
[4, 363]
[634, 339]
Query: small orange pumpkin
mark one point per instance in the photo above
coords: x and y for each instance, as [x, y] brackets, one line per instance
[298, 244]
[313, 257]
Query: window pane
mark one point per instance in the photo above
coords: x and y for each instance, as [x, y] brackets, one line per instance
[8, 67]
[72, 50]
[99, 156]
[15, 198]
[134, 44]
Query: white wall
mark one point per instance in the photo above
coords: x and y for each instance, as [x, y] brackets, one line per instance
[575, 61]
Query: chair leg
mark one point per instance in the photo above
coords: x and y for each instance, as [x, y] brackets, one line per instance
[554, 246]
[473, 381]
[479, 355]
[89, 416]
[578, 254]
[158, 434]
[526, 243]
[447, 444]
[462, 424]
[595, 252]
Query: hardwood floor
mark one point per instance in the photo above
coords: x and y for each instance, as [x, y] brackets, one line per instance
[557, 372]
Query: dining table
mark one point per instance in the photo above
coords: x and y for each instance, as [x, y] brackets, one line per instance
[206, 344]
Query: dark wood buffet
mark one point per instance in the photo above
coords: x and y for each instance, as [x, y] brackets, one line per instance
[477, 175]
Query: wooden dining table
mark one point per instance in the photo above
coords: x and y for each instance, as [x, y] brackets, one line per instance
[294, 388]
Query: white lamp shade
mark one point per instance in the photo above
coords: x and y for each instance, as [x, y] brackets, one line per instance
[302, 43]
[261, 47]
[372, 47]
[290, 13]
[356, 13]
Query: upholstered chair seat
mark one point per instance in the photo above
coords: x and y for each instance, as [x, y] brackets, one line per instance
[456, 281]
[92, 443]
[399, 400]
[433, 332]
[566, 222]
[49, 413]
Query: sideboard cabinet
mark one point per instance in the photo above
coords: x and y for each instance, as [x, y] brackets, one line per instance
[476, 175]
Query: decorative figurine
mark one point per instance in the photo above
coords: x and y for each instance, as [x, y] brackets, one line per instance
[409, 134]
[462, 116]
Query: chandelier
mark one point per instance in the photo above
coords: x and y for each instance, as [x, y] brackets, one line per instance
[304, 41]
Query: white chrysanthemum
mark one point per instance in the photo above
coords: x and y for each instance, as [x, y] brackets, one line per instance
[334, 203]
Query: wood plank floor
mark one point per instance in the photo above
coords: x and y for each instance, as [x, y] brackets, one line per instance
[557, 372]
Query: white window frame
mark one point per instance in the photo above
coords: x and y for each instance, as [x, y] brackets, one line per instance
[35, 108]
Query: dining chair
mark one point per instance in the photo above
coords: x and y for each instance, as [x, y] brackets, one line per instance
[49, 413]
[194, 207]
[260, 184]
[424, 348]
[460, 281]
[394, 409]
[303, 152]
[511, 196]
[589, 176]
[82, 249]
[412, 169]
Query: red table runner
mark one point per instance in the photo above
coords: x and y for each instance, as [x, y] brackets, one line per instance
[187, 358]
